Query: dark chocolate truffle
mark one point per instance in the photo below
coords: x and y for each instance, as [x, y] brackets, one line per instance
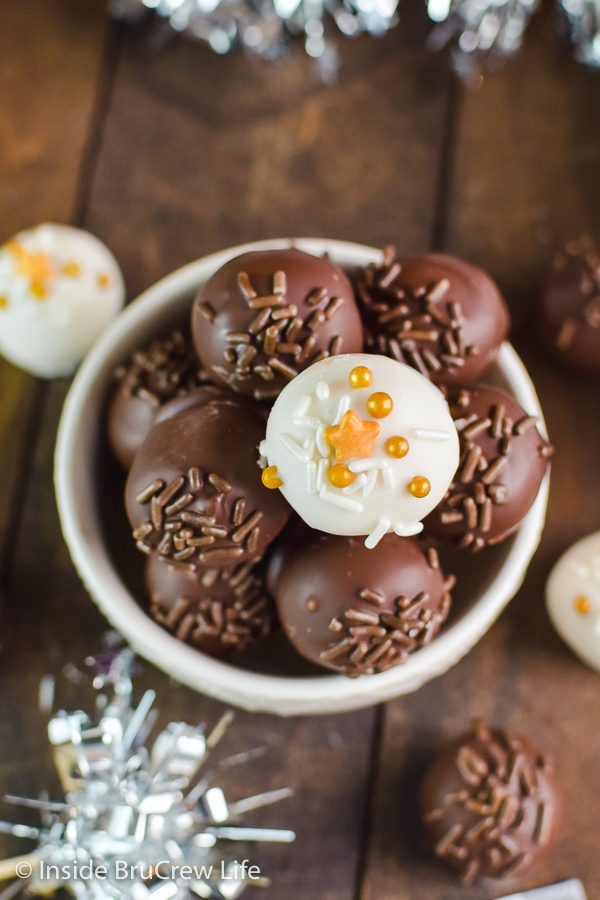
[441, 315]
[267, 315]
[194, 491]
[166, 368]
[491, 804]
[503, 461]
[218, 611]
[355, 610]
[570, 306]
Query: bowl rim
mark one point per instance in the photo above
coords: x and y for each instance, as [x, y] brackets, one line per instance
[257, 692]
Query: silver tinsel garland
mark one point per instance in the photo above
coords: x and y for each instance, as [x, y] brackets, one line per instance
[138, 821]
[481, 31]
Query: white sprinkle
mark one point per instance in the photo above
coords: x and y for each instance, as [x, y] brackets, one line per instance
[302, 407]
[356, 485]
[290, 444]
[262, 448]
[343, 407]
[406, 530]
[371, 482]
[382, 527]
[322, 473]
[307, 421]
[341, 501]
[322, 446]
[388, 478]
[364, 465]
[311, 478]
[308, 445]
[322, 390]
[431, 434]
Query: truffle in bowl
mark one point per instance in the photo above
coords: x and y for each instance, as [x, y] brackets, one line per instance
[89, 493]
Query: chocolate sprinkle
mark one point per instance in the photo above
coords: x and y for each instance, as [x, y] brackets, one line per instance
[371, 642]
[504, 807]
[182, 534]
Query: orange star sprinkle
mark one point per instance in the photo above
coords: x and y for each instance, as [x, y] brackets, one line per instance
[35, 266]
[352, 437]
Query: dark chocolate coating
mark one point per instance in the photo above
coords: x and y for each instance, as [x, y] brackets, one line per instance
[255, 351]
[441, 315]
[491, 805]
[570, 306]
[218, 611]
[194, 491]
[354, 610]
[166, 368]
[503, 461]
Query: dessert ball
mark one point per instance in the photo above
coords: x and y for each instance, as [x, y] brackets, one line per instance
[573, 599]
[354, 610]
[219, 611]
[59, 289]
[361, 444]
[267, 315]
[570, 305]
[194, 491]
[441, 315]
[166, 368]
[491, 804]
[503, 459]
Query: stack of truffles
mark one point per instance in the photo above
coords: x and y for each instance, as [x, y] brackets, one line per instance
[284, 456]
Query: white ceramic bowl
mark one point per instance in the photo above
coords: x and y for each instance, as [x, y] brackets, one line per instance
[488, 582]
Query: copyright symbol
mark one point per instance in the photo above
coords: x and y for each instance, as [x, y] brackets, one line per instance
[23, 870]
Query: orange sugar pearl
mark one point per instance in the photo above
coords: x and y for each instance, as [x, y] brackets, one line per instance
[360, 377]
[71, 269]
[3, 302]
[103, 281]
[380, 404]
[340, 476]
[419, 486]
[397, 447]
[270, 478]
[582, 605]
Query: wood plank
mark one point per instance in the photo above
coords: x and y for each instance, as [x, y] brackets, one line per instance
[200, 153]
[527, 153]
[50, 55]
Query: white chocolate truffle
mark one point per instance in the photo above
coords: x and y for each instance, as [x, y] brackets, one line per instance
[360, 444]
[573, 598]
[59, 289]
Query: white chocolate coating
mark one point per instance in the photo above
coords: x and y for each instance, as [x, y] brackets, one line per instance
[59, 289]
[378, 499]
[573, 598]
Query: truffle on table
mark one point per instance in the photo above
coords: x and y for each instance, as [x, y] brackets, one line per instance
[60, 287]
[354, 610]
[491, 804]
[218, 611]
[166, 368]
[503, 461]
[570, 305]
[573, 598]
[439, 314]
[194, 491]
[266, 315]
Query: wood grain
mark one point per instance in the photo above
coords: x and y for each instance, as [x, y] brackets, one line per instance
[50, 58]
[171, 154]
[526, 175]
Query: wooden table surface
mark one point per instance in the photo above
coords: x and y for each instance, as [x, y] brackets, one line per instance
[170, 154]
